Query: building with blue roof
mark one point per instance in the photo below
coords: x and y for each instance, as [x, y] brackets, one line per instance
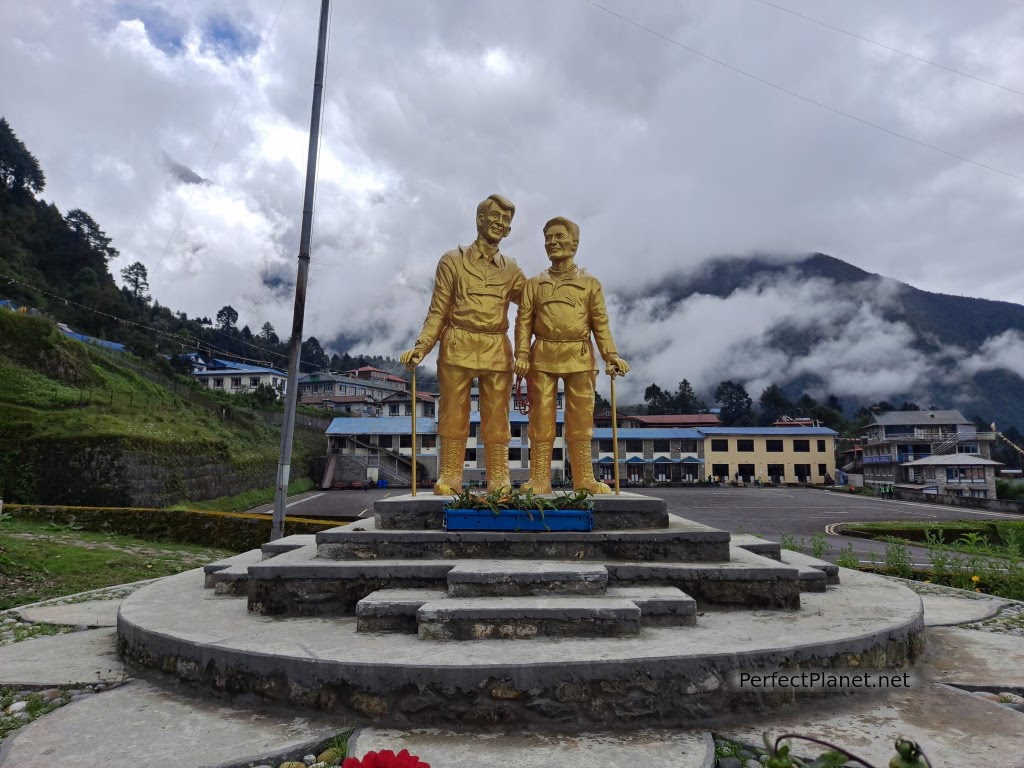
[382, 448]
[230, 376]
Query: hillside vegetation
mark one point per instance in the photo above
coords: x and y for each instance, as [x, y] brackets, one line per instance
[82, 425]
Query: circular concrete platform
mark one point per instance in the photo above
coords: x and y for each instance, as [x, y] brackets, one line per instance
[664, 676]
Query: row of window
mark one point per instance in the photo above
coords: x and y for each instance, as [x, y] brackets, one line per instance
[397, 409]
[775, 472]
[637, 446]
[236, 382]
[746, 445]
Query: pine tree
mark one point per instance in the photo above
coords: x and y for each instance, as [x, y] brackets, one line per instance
[19, 169]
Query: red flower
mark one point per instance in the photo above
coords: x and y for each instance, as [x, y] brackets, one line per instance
[385, 759]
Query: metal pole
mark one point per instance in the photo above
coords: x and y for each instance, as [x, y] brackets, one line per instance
[414, 430]
[305, 236]
[615, 437]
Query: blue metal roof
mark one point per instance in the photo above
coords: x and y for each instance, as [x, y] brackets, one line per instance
[769, 431]
[657, 433]
[229, 366]
[381, 425]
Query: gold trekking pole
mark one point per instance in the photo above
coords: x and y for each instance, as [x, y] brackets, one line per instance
[413, 430]
[615, 436]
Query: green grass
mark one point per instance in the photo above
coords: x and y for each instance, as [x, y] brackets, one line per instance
[249, 499]
[36, 708]
[39, 561]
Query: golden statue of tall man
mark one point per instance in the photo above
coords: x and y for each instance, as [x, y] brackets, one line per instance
[560, 309]
[469, 315]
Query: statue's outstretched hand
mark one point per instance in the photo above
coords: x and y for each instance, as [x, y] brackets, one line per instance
[616, 366]
[411, 358]
[522, 367]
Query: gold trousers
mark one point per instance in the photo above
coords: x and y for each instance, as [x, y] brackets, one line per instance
[453, 409]
[579, 405]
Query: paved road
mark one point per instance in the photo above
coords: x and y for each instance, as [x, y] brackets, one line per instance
[770, 512]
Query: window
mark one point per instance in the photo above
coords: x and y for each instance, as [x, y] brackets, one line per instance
[821, 446]
[428, 441]
[746, 472]
[777, 472]
[471, 455]
[720, 471]
[822, 470]
[720, 444]
[773, 446]
[515, 454]
[802, 446]
[688, 446]
[967, 448]
[254, 381]
[405, 441]
[517, 430]
[745, 445]
[428, 410]
[558, 430]
[218, 383]
[392, 410]
[634, 446]
[979, 493]
[556, 454]
[604, 446]
[473, 429]
[661, 446]
[236, 382]
[965, 474]
[803, 472]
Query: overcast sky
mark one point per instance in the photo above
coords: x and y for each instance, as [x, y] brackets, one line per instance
[663, 157]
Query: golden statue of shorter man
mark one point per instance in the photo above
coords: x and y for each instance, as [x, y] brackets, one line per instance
[469, 315]
[560, 309]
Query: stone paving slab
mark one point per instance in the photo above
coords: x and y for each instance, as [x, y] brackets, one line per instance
[943, 611]
[955, 728]
[973, 658]
[141, 726]
[443, 749]
[92, 614]
[80, 658]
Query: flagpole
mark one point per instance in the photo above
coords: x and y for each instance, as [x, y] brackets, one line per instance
[284, 463]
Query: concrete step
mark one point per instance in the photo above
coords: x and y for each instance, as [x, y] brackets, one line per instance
[519, 578]
[679, 540]
[229, 568]
[659, 606]
[757, 545]
[802, 561]
[521, 618]
[394, 610]
[287, 544]
[745, 579]
[426, 512]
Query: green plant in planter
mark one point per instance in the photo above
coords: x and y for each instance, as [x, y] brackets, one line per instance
[511, 499]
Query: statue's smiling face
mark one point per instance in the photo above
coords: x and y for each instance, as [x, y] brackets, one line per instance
[495, 224]
[559, 244]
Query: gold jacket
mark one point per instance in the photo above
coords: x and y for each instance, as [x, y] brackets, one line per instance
[469, 310]
[561, 314]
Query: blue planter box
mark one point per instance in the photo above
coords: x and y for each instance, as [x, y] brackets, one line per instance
[519, 520]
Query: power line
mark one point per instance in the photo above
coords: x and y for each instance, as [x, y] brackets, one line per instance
[220, 135]
[808, 99]
[183, 342]
[889, 47]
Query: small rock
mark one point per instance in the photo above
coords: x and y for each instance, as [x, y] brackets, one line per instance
[292, 764]
[730, 762]
[309, 759]
[987, 695]
[752, 763]
[99, 687]
[1011, 698]
[80, 696]
[16, 707]
[745, 754]
[329, 756]
[50, 694]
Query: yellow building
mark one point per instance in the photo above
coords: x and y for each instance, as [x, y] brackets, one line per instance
[771, 454]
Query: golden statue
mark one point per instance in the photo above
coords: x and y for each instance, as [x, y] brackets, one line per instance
[469, 315]
[560, 308]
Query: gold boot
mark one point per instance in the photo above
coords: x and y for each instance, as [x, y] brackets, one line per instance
[583, 468]
[449, 473]
[497, 468]
[540, 469]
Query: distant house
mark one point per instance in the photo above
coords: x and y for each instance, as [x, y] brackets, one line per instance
[895, 442]
[377, 384]
[776, 454]
[229, 376]
[400, 404]
[344, 405]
